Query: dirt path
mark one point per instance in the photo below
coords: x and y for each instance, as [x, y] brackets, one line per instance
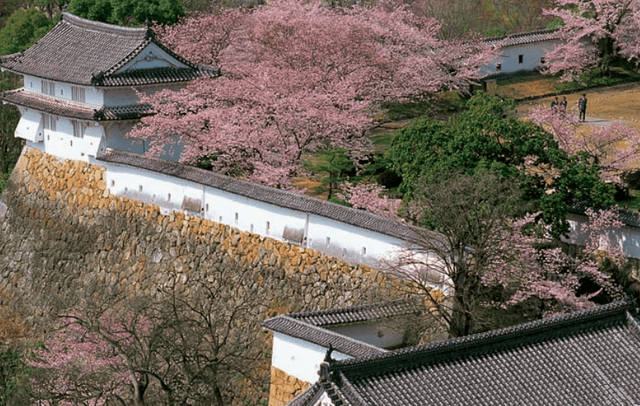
[621, 102]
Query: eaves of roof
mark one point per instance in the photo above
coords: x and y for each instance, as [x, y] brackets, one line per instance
[586, 358]
[628, 217]
[357, 314]
[317, 335]
[524, 38]
[66, 108]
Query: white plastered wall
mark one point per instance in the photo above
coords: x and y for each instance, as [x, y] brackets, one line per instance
[509, 60]
[299, 358]
[246, 214]
[93, 96]
[625, 238]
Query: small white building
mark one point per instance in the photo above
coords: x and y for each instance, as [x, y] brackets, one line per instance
[301, 341]
[521, 52]
[78, 96]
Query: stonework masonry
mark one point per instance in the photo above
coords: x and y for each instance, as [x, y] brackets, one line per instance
[65, 237]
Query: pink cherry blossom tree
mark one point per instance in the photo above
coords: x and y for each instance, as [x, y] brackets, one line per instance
[299, 77]
[595, 32]
[485, 258]
[167, 349]
[614, 148]
[370, 197]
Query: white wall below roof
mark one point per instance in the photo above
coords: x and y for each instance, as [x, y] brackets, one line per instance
[93, 96]
[61, 142]
[385, 333]
[626, 238]
[299, 358]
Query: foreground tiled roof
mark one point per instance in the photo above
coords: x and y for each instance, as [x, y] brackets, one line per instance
[277, 197]
[591, 357]
[87, 52]
[524, 38]
[309, 325]
[67, 108]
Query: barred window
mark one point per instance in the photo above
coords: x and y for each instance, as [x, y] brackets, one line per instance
[77, 94]
[49, 87]
[49, 122]
[78, 128]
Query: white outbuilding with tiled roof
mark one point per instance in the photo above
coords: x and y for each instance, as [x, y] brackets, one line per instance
[78, 96]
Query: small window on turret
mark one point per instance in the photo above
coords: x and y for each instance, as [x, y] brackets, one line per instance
[49, 87]
[77, 94]
[49, 122]
[78, 128]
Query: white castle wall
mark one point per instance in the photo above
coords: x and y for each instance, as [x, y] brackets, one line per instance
[322, 234]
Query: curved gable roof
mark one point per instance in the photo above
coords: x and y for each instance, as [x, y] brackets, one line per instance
[86, 52]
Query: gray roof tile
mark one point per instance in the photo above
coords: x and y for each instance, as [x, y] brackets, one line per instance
[524, 38]
[591, 357]
[320, 336]
[356, 314]
[87, 52]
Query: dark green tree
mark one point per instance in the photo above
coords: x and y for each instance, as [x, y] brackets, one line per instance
[23, 28]
[128, 12]
[484, 137]
[337, 165]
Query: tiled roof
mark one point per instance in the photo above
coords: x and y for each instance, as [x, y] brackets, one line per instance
[309, 325]
[524, 38]
[591, 357]
[87, 52]
[277, 197]
[355, 314]
[320, 336]
[67, 108]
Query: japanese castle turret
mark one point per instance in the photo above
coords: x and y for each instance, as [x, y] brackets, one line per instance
[80, 82]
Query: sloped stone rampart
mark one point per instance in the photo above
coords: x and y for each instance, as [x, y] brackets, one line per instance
[65, 238]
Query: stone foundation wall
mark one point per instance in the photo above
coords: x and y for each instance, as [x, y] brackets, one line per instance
[284, 387]
[65, 240]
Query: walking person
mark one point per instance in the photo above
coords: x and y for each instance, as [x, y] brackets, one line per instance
[582, 107]
[563, 106]
[554, 103]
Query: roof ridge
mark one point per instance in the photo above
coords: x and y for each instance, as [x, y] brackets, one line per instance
[106, 28]
[483, 342]
[521, 34]
[336, 344]
[351, 309]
